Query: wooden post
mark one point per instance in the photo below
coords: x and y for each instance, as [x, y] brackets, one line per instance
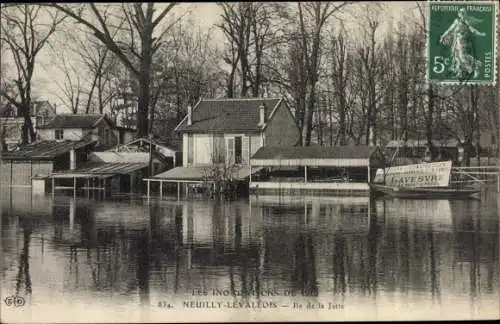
[131, 183]
[178, 190]
[88, 187]
[186, 187]
[305, 173]
[74, 187]
[161, 189]
[53, 186]
[148, 185]
[104, 188]
[369, 177]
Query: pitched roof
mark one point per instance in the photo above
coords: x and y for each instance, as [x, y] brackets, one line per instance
[228, 115]
[74, 121]
[95, 168]
[422, 143]
[198, 173]
[168, 144]
[313, 152]
[45, 150]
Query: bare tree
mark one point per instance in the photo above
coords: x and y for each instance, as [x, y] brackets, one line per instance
[136, 51]
[251, 29]
[70, 88]
[339, 75]
[99, 62]
[312, 18]
[25, 30]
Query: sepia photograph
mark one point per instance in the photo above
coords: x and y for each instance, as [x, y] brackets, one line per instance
[249, 161]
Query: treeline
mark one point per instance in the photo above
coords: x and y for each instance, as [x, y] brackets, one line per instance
[347, 86]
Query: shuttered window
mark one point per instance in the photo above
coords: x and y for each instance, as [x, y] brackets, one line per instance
[59, 134]
[190, 149]
[230, 150]
[237, 150]
[218, 153]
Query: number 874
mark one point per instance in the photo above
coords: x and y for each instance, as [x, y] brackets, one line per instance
[439, 64]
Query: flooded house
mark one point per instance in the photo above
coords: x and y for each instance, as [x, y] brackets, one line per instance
[219, 136]
[32, 165]
[12, 121]
[64, 144]
[77, 126]
[118, 170]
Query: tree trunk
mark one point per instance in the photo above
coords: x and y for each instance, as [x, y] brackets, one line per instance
[144, 80]
[429, 120]
[306, 130]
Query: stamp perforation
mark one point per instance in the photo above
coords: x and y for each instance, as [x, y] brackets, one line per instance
[494, 39]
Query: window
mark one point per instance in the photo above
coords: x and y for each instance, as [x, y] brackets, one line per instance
[218, 149]
[237, 150]
[59, 134]
[230, 150]
[234, 150]
[106, 136]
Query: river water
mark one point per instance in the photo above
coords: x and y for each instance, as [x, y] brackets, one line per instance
[286, 258]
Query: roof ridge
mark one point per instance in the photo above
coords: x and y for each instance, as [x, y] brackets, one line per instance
[239, 99]
[71, 114]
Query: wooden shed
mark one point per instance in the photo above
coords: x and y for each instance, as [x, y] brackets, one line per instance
[38, 160]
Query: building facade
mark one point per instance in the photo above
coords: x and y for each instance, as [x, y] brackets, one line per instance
[75, 127]
[231, 130]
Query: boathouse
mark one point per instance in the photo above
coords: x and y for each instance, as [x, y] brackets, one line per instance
[302, 170]
[31, 165]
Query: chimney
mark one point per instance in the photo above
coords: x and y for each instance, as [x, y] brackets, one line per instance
[189, 119]
[262, 114]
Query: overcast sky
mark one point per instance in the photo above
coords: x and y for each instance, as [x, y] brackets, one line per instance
[205, 15]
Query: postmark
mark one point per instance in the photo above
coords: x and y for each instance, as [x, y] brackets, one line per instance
[461, 42]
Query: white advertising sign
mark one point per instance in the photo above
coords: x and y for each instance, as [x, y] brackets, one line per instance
[435, 174]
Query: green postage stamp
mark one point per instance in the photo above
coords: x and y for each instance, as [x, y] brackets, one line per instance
[461, 42]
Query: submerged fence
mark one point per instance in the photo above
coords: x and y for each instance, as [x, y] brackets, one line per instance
[478, 174]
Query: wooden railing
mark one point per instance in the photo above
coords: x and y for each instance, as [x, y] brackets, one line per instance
[478, 174]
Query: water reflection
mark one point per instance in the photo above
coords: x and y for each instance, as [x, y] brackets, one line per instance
[349, 249]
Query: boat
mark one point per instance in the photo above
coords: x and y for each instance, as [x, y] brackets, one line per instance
[448, 192]
[421, 181]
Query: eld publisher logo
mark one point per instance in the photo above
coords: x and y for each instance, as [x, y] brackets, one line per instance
[14, 301]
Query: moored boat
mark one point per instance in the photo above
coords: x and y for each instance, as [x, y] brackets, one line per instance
[421, 181]
[448, 192]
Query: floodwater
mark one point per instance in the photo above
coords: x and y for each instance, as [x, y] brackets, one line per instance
[286, 258]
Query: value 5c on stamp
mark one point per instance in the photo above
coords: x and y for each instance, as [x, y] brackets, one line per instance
[461, 42]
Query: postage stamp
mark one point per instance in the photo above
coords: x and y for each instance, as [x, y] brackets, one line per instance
[461, 42]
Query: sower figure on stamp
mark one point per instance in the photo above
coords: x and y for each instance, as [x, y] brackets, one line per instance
[463, 62]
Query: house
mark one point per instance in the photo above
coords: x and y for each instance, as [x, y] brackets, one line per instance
[27, 164]
[415, 151]
[227, 132]
[344, 170]
[11, 132]
[78, 126]
[43, 111]
[12, 121]
[232, 130]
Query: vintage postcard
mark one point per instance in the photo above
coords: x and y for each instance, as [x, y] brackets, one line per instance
[249, 161]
